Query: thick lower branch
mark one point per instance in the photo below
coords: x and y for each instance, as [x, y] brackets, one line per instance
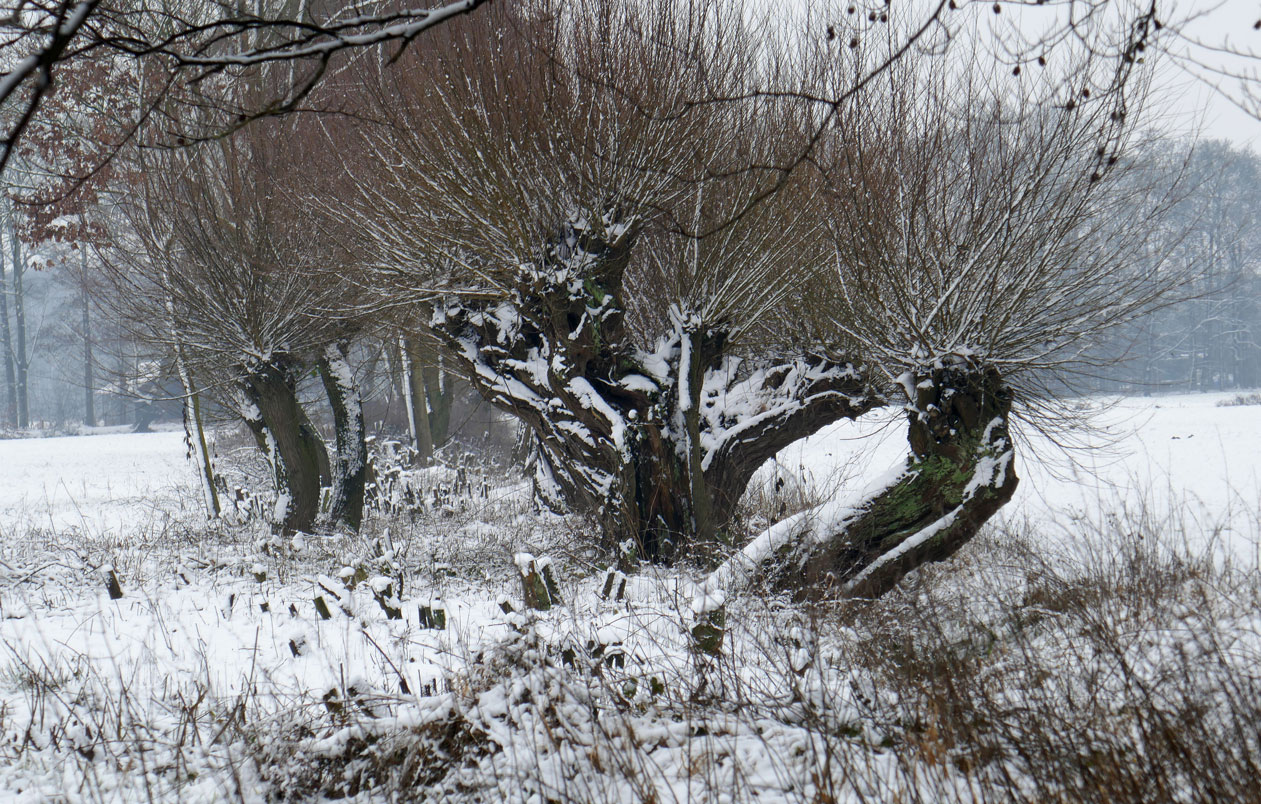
[793, 401]
[960, 473]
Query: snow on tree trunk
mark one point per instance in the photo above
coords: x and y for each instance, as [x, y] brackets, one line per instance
[295, 451]
[350, 468]
[959, 473]
[195, 436]
[194, 428]
[658, 445]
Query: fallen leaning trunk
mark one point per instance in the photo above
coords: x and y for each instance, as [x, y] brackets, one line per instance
[959, 473]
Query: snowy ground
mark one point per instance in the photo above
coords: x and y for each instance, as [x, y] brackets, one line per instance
[1171, 449]
[95, 483]
[218, 676]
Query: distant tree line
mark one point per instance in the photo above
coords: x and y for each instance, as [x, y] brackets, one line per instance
[1209, 338]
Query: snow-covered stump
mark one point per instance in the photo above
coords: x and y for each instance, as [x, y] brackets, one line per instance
[709, 617]
[383, 593]
[538, 584]
[432, 617]
[350, 469]
[321, 607]
[614, 587]
[959, 474]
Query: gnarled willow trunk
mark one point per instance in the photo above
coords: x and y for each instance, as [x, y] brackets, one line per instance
[959, 473]
[351, 465]
[659, 445]
[293, 447]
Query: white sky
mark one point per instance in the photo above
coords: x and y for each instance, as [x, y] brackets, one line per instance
[1188, 94]
[1192, 88]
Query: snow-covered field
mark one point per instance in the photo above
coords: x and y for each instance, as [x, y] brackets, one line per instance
[236, 666]
[97, 484]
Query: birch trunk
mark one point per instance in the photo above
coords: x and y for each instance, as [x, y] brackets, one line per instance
[10, 377]
[414, 397]
[89, 384]
[20, 362]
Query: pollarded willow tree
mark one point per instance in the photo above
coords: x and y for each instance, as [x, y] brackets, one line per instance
[594, 320]
[1006, 237]
[212, 258]
[588, 205]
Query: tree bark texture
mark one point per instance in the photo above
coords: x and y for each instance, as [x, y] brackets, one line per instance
[658, 445]
[271, 410]
[350, 467]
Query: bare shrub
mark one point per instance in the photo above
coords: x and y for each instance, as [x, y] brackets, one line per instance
[1240, 400]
